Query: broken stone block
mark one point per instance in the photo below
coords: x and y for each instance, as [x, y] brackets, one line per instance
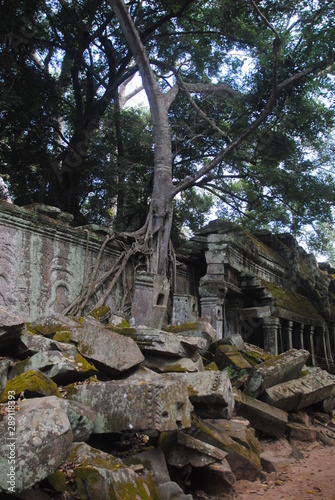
[262, 416]
[228, 356]
[30, 344]
[108, 350]
[82, 419]
[43, 437]
[33, 384]
[11, 327]
[189, 451]
[276, 370]
[185, 309]
[121, 405]
[244, 463]
[300, 393]
[152, 341]
[151, 294]
[162, 364]
[61, 368]
[301, 433]
[210, 392]
[171, 490]
[199, 328]
[154, 461]
[255, 355]
[99, 475]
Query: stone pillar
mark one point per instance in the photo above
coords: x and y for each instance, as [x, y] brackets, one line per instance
[287, 328]
[185, 309]
[150, 300]
[270, 333]
[324, 347]
[212, 293]
[311, 344]
[329, 346]
[301, 335]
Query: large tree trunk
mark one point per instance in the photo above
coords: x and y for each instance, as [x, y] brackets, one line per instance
[159, 221]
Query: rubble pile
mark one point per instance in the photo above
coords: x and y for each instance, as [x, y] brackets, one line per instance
[106, 410]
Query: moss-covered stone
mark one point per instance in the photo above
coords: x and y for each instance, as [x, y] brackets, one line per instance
[122, 330]
[33, 383]
[212, 366]
[63, 336]
[101, 313]
[181, 328]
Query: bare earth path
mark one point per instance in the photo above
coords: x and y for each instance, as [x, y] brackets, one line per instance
[306, 479]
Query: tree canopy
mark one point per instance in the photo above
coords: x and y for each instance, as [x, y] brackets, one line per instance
[241, 98]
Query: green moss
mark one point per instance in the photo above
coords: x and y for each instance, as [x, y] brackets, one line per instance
[31, 330]
[33, 382]
[85, 365]
[58, 481]
[181, 328]
[63, 336]
[100, 313]
[212, 366]
[85, 349]
[267, 250]
[50, 330]
[289, 300]
[145, 489]
[20, 367]
[122, 330]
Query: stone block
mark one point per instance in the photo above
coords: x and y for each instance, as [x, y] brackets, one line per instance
[162, 364]
[33, 384]
[210, 392]
[228, 356]
[99, 475]
[11, 327]
[43, 437]
[152, 341]
[262, 416]
[300, 432]
[276, 370]
[122, 405]
[244, 463]
[150, 300]
[4, 368]
[300, 393]
[185, 309]
[29, 344]
[154, 461]
[172, 491]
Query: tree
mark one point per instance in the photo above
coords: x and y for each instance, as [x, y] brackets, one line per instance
[282, 80]
[240, 131]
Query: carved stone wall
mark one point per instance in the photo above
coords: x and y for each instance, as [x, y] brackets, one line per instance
[44, 263]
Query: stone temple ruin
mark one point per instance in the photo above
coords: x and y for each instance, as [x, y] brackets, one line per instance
[262, 286]
[125, 390]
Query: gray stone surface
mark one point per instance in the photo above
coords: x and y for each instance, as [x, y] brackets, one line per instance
[154, 461]
[172, 491]
[11, 327]
[29, 344]
[4, 368]
[43, 437]
[61, 368]
[163, 364]
[279, 369]
[262, 416]
[210, 392]
[82, 419]
[122, 405]
[100, 475]
[300, 393]
[168, 344]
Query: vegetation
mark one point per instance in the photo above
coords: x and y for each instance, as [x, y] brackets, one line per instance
[241, 97]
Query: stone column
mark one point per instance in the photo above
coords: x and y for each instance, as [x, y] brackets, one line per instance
[311, 344]
[270, 333]
[301, 335]
[324, 347]
[287, 328]
[329, 346]
[151, 293]
[212, 293]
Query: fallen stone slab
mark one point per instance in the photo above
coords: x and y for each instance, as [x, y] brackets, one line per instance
[271, 463]
[199, 328]
[154, 461]
[244, 463]
[122, 405]
[59, 367]
[301, 432]
[109, 351]
[171, 490]
[33, 384]
[235, 340]
[210, 392]
[30, 344]
[162, 364]
[282, 368]
[262, 416]
[41, 442]
[82, 419]
[255, 355]
[11, 327]
[228, 356]
[155, 341]
[191, 451]
[99, 475]
[305, 391]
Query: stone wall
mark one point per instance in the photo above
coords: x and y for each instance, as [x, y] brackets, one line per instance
[44, 263]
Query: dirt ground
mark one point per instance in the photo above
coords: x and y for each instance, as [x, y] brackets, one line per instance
[311, 477]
